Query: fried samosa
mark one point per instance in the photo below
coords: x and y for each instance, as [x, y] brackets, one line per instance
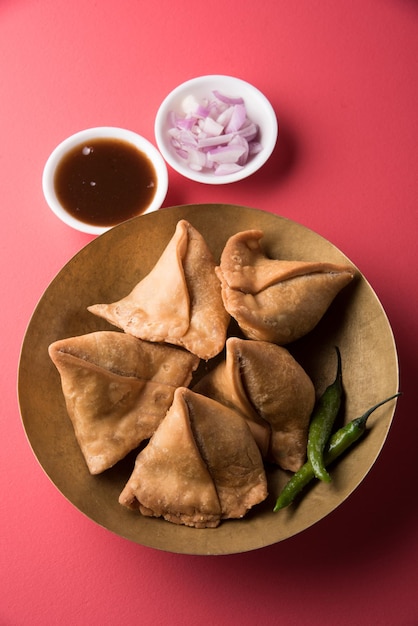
[117, 389]
[272, 391]
[201, 465]
[225, 383]
[178, 302]
[230, 453]
[170, 478]
[275, 300]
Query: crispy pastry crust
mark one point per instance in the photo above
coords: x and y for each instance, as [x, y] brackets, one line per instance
[170, 478]
[178, 302]
[117, 390]
[272, 391]
[273, 300]
[201, 465]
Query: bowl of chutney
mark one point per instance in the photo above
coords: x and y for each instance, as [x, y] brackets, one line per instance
[101, 177]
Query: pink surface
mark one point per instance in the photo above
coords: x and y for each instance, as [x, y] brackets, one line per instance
[342, 77]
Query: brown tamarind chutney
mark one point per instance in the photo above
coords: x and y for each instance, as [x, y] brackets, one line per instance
[105, 181]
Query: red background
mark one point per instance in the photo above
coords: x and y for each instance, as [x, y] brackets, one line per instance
[342, 77]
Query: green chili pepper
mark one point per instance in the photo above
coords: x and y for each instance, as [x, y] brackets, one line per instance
[322, 421]
[339, 442]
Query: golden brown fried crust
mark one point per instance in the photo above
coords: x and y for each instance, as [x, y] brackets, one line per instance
[274, 300]
[178, 302]
[201, 465]
[266, 384]
[117, 389]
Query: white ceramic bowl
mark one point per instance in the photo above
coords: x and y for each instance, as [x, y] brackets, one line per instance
[259, 110]
[102, 132]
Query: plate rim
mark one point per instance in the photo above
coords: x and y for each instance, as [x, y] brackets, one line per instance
[109, 235]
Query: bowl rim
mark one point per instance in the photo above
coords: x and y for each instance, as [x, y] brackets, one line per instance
[101, 132]
[253, 165]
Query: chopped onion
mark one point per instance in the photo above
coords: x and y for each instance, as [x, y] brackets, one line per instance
[217, 140]
[227, 168]
[227, 99]
[212, 127]
[214, 134]
[238, 117]
[226, 154]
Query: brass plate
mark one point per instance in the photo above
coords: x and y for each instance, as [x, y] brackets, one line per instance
[105, 270]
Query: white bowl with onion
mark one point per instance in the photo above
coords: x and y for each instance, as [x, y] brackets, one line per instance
[216, 129]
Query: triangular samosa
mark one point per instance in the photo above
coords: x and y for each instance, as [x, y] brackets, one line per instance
[117, 389]
[178, 302]
[276, 300]
[266, 378]
[200, 466]
[170, 478]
